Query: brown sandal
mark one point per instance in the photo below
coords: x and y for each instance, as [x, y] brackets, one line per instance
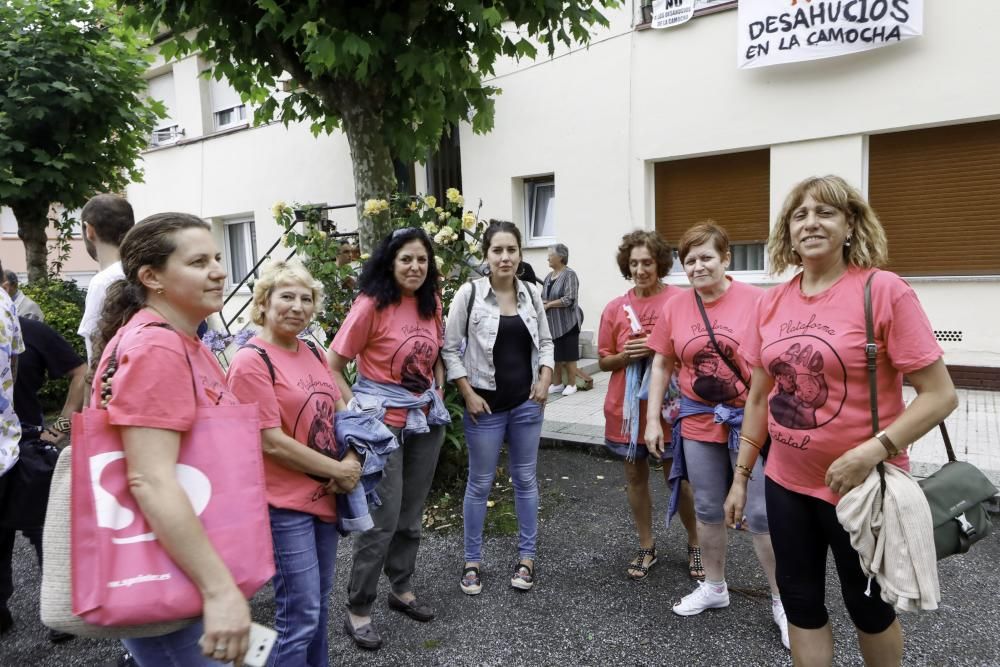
[695, 569]
[637, 564]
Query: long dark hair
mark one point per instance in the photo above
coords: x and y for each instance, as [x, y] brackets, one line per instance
[379, 282]
[151, 242]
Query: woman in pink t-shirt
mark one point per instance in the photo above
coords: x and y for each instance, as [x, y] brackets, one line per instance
[292, 386]
[806, 345]
[644, 258]
[394, 331]
[172, 277]
[700, 329]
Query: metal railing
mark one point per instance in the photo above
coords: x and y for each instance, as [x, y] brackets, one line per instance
[300, 216]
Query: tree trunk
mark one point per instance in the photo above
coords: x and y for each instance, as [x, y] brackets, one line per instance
[32, 224]
[374, 177]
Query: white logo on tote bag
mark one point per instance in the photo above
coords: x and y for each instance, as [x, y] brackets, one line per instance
[112, 514]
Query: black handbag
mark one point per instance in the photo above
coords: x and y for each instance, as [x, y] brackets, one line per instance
[766, 447]
[957, 492]
[26, 485]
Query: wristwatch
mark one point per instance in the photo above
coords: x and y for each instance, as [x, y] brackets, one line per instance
[887, 442]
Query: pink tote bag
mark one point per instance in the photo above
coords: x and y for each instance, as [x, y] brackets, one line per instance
[120, 572]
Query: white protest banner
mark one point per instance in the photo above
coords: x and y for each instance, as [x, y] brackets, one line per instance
[784, 31]
[670, 13]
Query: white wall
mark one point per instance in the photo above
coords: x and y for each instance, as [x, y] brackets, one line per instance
[600, 118]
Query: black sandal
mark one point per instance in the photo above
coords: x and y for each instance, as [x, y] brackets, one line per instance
[637, 564]
[694, 563]
[524, 577]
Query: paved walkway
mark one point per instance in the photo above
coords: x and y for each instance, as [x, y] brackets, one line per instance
[974, 427]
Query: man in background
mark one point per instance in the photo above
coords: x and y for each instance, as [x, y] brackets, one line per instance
[106, 219]
[22, 303]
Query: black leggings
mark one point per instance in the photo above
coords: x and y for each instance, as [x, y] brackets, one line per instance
[802, 527]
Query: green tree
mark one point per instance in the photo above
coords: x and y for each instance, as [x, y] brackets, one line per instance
[391, 73]
[71, 120]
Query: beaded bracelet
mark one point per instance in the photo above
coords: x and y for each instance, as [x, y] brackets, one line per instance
[743, 470]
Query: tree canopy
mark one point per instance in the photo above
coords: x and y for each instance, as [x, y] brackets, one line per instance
[391, 73]
[72, 123]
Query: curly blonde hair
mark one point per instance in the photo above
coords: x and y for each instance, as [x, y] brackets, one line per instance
[868, 247]
[278, 272]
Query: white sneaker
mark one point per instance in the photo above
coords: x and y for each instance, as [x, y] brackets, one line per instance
[778, 611]
[556, 388]
[569, 391]
[701, 599]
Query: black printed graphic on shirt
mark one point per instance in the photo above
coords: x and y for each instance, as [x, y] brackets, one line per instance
[810, 383]
[320, 433]
[413, 362]
[714, 381]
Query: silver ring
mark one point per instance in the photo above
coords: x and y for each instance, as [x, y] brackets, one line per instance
[221, 648]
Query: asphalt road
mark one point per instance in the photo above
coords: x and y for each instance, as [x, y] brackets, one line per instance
[583, 610]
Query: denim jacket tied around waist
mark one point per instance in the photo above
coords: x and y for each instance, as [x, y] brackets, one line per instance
[483, 322]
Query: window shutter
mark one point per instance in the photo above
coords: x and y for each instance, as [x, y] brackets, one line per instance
[223, 95]
[162, 88]
[937, 193]
[732, 189]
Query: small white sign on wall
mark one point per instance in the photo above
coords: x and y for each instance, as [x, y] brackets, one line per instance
[670, 13]
[784, 31]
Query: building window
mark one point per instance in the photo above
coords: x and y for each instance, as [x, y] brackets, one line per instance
[731, 189]
[8, 223]
[935, 192]
[228, 110]
[166, 130]
[540, 210]
[444, 166]
[231, 117]
[241, 249]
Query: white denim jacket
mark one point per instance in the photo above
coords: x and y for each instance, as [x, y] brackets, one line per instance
[476, 363]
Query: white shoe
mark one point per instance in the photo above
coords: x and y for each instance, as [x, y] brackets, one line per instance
[556, 388]
[570, 390]
[778, 610]
[701, 599]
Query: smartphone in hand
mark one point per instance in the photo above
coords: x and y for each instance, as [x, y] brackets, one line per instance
[262, 640]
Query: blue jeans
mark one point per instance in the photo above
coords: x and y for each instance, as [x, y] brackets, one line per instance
[178, 649]
[305, 560]
[521, 427]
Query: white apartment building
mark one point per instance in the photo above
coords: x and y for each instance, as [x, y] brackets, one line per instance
[659, 129]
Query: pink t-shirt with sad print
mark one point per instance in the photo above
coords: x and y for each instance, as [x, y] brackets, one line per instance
[393, 345]
[704, 377]
[302, 402]
[814, 348]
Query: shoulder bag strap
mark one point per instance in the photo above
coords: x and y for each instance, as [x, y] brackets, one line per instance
[312, 348]
[711, 336]
[468, 306]
[263, 355]
[112, 367]
[871, 356]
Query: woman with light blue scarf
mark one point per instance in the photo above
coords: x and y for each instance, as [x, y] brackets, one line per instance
[394, 331]
[503, 374]
[701, 330]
